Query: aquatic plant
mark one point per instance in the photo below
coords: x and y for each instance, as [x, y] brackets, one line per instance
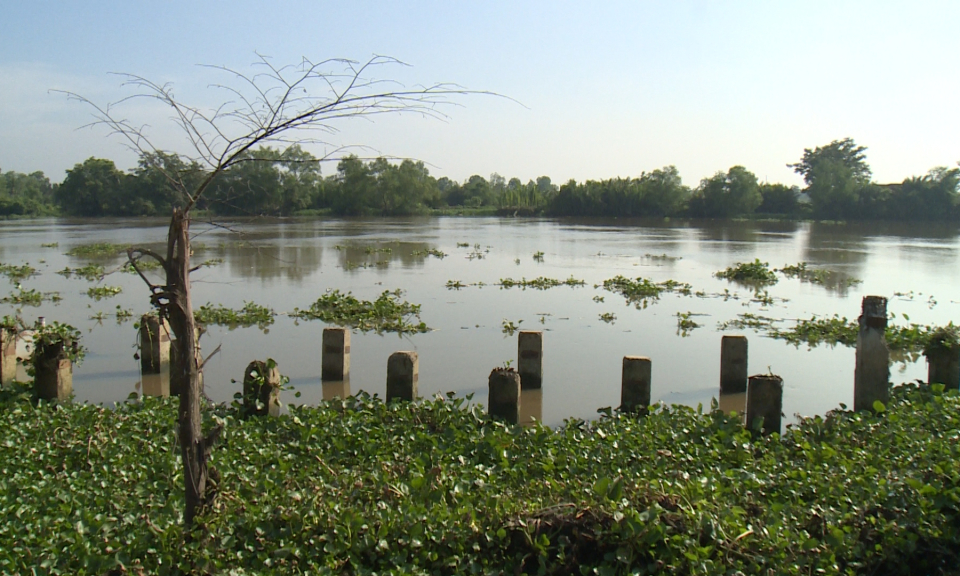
[608, 317]
[50, 245]
[538, 256]
[96, 249]
[641, 292]
[30, 297]
[662, 257]
[251, 314]
[17, 273]
[540, 283]
[385, 314]
[509, 327]
[44, 335]
[754, 273]
[100, 292]
[685, 323]
[818, 275]
[90, 272]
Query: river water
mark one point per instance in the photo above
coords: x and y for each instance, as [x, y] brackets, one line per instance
[289, 263]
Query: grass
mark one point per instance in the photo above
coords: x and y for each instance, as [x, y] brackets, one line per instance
[357, 486]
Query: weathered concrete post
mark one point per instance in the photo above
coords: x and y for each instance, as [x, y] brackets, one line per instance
[261, 389]
[154, 356]
[8, 356]
[635, 384]
[764, 403]
[530, 359]
[872, 373]
[504, 395]
[733, 365]
[335, 363]
[943, 363]
[403, 372]
[53, 372]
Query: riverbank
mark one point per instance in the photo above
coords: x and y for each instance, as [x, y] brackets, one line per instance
[357, 486]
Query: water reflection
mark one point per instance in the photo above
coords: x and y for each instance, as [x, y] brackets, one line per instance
[531, 406]
[267, 262]
[736, 402]
[155, 384]
[355, 255]
[336, 389]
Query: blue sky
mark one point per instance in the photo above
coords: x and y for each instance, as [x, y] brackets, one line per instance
[611, 89]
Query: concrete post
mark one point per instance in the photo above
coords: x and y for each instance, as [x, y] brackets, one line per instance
[53, 373]
[403, 372]
[872, 373]
[261, 389]
[733, 365]
[504, 395]
[335, 363]
[531, 406]
[335, 389]
[635, 384]
[8, 356]
[530, 359]
[154, 356]
[764, 403]
[943, 366]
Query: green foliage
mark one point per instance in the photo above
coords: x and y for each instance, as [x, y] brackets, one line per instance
[90, 272]
[252, 314]
[96, 249]
[509, 327]
[540, 283]
[641, 292]
[754, 273]
[685, 323]
[16, 274]
[56, 333]
[30, 297]
[727, 195]
[100, 292]
[538, 256]
[608, 317]
[433, 487]
[385, 314]
[817, 276]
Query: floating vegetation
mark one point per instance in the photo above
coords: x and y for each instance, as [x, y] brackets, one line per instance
[662, 257]
[56, 333]
[509, 327]
[463, 244]
[818, 276]
[120, 314]
[30, 297]
[686, 324]
[608, 317]
[90, 272]
[754, 273]
[641, 292]
[207, 263]
[100, 292]
[540, 283]
[455, 285]
[50, 245]
[598, 299]
[385, 314]
[538, 256]
[252, 314]
[98, 249]
[377, 250]
[748, 321]
[430, 252]
[17, 273]
[144, 264]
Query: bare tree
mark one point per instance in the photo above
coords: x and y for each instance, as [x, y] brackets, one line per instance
[288, 105]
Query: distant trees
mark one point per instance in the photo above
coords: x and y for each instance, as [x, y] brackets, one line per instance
[724, 195]
[26, 194]
[836, 175]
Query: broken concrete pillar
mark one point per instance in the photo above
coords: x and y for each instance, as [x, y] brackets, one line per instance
[872, 373]
[733, 364]
[504, 395]
[530, 359]
[53, 372]
[335, 363]
[403, 372]
[764, 403]
[635, 384]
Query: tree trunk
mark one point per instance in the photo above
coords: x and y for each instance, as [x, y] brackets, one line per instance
[185, 368]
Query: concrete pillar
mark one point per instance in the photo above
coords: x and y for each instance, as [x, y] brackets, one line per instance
[530, 359]
[943, 366]
[403, 372]
[531, 407]
[733, 365]
[504, 395]
[635, 384]
[733, 403]
[154, 356]
[764, 403]
[872, 373]
[261, 389]
[335, 364]
[8, 356]
[53, 373]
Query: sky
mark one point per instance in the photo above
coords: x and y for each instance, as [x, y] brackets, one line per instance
[591, 90]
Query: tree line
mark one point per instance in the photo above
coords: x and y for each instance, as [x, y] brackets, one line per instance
[268, 181]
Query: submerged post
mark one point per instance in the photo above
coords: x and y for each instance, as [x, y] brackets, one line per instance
[403, 372]
[8, 356]
[635, 384]
[764, 403]
[733, 364]
[154, 355]
[504, 395]
[943, 361]
[53, 372]
[335, 363]
[261, 389]
[872, 373]
[530, 359]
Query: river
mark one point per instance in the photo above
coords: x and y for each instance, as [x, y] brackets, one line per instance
[289, 263]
